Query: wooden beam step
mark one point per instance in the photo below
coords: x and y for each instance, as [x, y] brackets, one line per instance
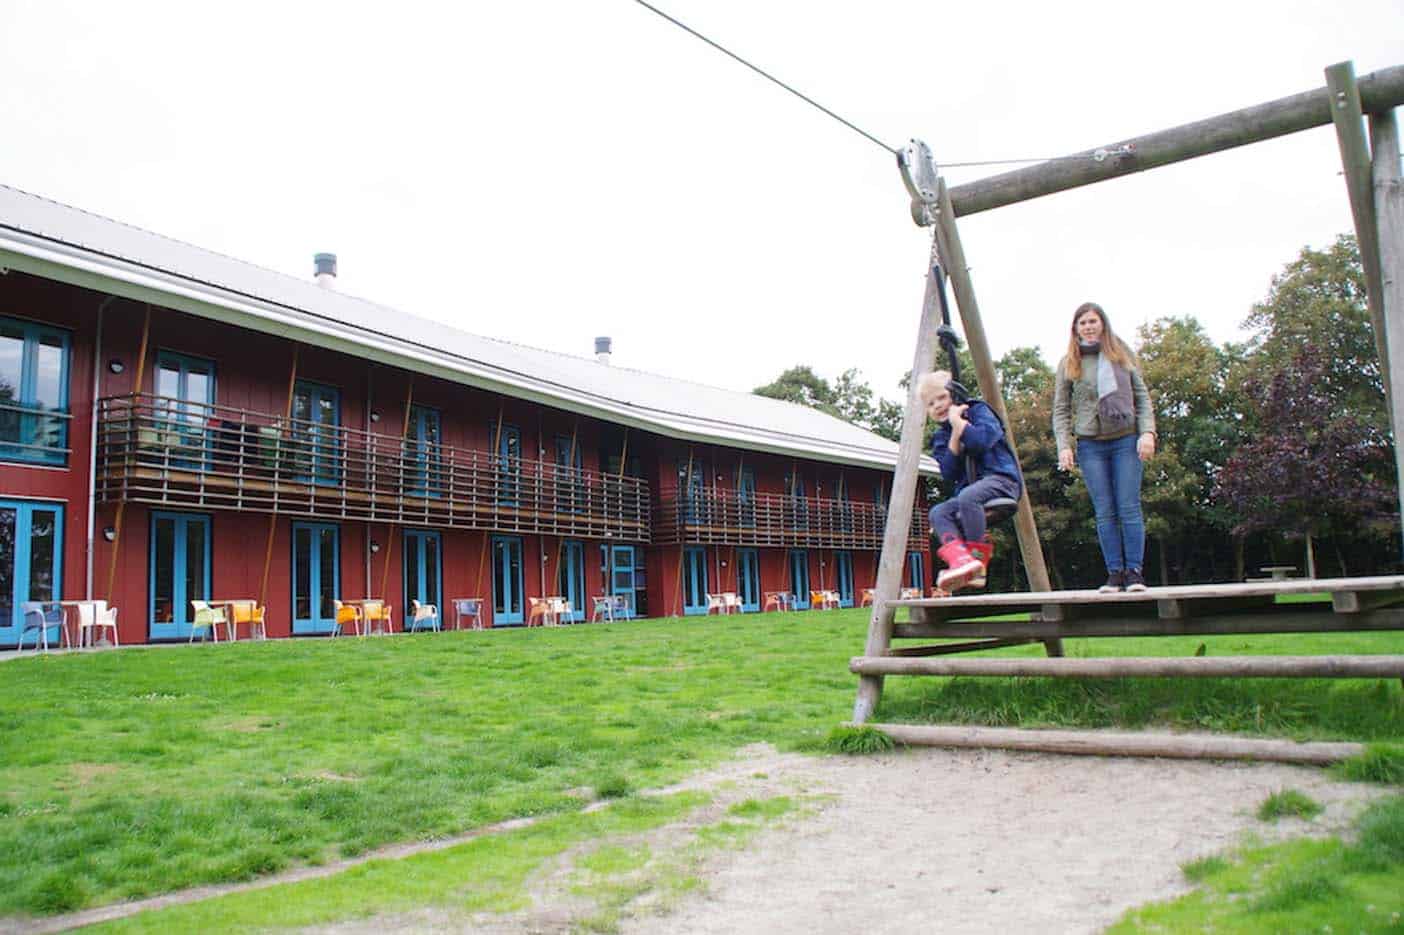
[945, 649]
[1375, 666]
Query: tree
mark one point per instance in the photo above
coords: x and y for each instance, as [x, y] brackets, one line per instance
[849, 398]
[800, 384]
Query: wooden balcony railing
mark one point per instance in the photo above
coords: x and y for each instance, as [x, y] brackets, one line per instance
[725, 518]
[168, 452]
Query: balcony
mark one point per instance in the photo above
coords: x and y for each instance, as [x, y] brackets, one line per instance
[171, 453]
[773, 520]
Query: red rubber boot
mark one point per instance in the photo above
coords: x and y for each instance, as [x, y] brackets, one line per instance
[983, 551]
[961, 566]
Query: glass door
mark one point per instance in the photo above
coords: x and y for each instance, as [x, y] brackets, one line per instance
[185, 391]
[180, 572]
[316, 416]
[423, 468]
[748, 579]
[694, 569]
[915, 571]
[570, 579]
[623, 579]
[799, 577]
[506, 580]
[316, 577]
[422, 573]
[746, 498]
[509, 463]
[843, 571]
[31, 562]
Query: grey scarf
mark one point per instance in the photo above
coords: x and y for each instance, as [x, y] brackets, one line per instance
[1116, 406]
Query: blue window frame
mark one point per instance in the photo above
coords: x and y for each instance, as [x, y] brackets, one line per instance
[692, 493]
[423, 453]
[843, 573]
[506, 580]
[845, 509]
[423, 569]
[915, 571]
[799, 577]
[798, 505]
[746, 498]
[180, 572]
[694, 580]
[185, 394]
[316, 432]
[509, 462]
[570, 578]
[31, 564]
[570, 476]
[748, 579]
[34, 364]
[316, 577]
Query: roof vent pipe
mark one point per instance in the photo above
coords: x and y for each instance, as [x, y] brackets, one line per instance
[602, 350]
[325, 265]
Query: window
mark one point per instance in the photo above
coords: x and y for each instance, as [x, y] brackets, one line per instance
[33, 393]
[796, 505]
[570, 476]
[746, 497]
[316, 433]
[423, 455]
[316, 577]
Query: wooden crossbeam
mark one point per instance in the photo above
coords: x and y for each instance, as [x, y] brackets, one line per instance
[1380, 666]
[945, 649]
[1284, 618]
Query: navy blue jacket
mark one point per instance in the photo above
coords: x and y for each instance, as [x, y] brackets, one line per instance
[982, 441]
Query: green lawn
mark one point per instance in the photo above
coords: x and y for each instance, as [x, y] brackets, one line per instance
[130, 773]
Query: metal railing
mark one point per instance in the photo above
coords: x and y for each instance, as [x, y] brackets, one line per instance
[728, 518]
[33, 434]
[169, 452]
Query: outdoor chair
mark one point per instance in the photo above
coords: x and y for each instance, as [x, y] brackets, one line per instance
[249, 614]
[423, 616]
[206, 618]
[94, 616]
[776, 599]
[732, 601]
[470, 607]
[42, 616]
[539, 610]
[910, 594]
[346, 613]
[715, 602]
[378, 617]
[869, 595]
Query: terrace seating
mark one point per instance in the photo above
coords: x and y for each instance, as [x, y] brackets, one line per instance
[715, 602]
[470, 607]
[539, 610]
[207, 618]
[869, 595]
[250, 614]
[910, 594]
[42, 616]
[780, 600]
[612, 606]
[732, 601]
[347, 613]
[824, 600]
[423, 616]
[378, 616]
[94, 616]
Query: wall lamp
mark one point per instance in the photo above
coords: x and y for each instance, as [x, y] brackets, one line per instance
[375, 416]
[110, 534]
[374, 546]
[116, 366]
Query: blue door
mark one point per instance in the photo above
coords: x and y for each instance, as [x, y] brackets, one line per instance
[569, 476]
[799, 577]
[185, 390]
[316, 578]
[506, 580]
[570, 579]
[843, 571]
[422, 573]
[508, 462]
[316, 420]
[180, 572]
[423, 467]
[31, 564]
[746, 498]
[623, 576]
[748, 579]
[915, 571]
[799, 506]
[694, 569]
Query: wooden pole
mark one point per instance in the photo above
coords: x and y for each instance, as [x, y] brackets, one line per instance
[899, 504]
[122, 504]
[273, 517]
[953, 254]
[1355, 158]
[496, 443]
[1389, 215]
[1379, 91]
[1109, 667]
[390, 527]
[1121, 743]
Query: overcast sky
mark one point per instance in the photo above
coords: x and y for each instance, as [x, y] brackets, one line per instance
[545, 172]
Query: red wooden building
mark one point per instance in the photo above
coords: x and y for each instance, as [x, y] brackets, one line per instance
[176, 425]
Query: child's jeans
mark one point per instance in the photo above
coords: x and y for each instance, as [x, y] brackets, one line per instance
[963, 516]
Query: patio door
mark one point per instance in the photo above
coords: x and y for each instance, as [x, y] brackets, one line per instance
[186, 390]
[316, 417]
[570, 579]
[799, 577]
[506, 580]
[423, 471]
[843, 572]
[422, 572]
[694, 588]
[180, 572]
[748, 579]
[916, 572]
[31, 562]
[316, 577]
[623, 578]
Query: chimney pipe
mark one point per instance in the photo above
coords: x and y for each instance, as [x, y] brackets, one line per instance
[325, 266]
[602, 346]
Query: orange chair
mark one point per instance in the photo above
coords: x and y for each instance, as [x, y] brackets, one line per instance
[347, 613]
[538, 607]
[251, 615]
[379, 616]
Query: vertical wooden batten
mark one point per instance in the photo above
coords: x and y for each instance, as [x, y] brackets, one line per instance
[122, 504]
[1389, 215]
[273, 517]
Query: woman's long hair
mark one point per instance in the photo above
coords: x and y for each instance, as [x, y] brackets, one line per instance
[1115, 349]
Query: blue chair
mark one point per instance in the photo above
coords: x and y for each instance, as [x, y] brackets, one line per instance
[41, 616]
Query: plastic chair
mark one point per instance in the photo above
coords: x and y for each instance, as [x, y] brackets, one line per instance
[206, 618]
[42, 616]
[602, 604]
[250, 614]
[537, 607]
[378, 616]
[346, 613]
[471, 607]
[869, 595]
[624, 606]
[732, 601]
[426, 614]
[94, 616]
[715, 602]
[776, 599]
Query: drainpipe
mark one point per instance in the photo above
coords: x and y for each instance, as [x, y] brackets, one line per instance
[92, 444]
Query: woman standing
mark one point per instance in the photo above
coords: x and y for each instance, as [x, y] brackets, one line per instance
[1101, 400]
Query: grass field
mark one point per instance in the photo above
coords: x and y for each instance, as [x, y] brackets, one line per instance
[125, 774]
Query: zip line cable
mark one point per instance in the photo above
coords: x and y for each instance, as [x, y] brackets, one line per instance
[764, 74]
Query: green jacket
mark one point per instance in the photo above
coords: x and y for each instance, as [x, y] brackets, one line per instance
[1075, 405]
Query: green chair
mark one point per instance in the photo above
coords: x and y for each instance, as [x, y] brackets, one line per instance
[207, 618]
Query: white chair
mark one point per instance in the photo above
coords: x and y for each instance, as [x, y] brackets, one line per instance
[715, 602]
[732, 601]
[94, 616]
[206, 618]
[425, 614]
[42, 616]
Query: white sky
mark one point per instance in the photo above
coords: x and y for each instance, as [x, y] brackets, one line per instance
[549, 171]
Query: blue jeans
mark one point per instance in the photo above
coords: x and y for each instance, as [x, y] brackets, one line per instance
[963, 516]
[1112, 470]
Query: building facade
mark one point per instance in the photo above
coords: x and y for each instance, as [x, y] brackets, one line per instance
[176, 426]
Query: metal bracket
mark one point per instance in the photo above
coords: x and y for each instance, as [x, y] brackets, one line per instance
[919, 175]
